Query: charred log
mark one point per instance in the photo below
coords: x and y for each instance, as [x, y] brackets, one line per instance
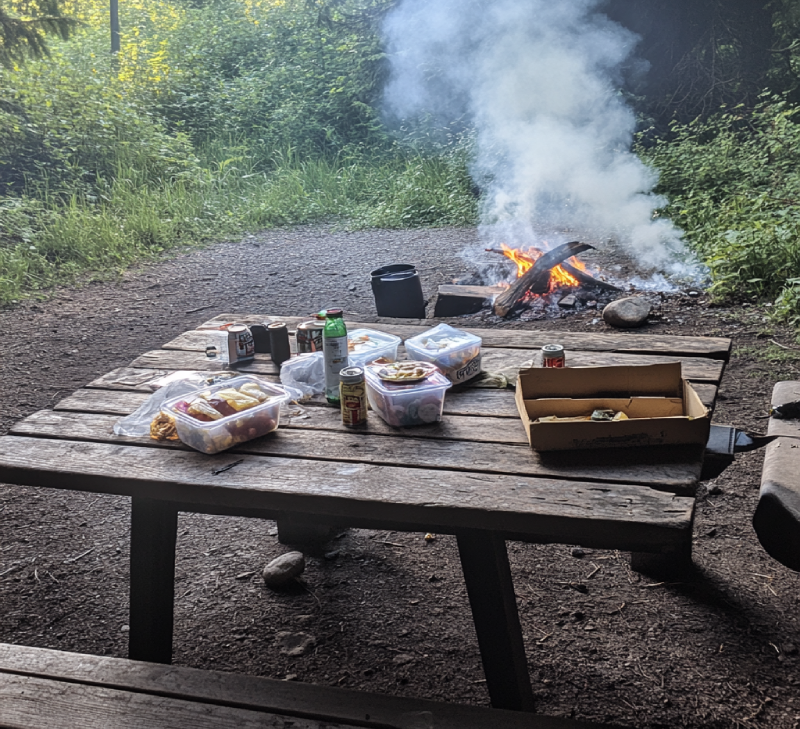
[536, 279]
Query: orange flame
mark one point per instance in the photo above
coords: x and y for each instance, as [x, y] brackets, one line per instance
[524, 259]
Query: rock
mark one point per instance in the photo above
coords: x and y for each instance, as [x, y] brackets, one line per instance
[568, 301]
[578, 553]
[284, 568]
[294, 644]
[627, 313]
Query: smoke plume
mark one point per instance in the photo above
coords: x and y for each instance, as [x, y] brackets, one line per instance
[538, 80]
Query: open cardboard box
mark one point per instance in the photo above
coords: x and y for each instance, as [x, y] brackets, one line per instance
[662, 407]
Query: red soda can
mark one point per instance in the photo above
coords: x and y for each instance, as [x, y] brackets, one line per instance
[553, 355]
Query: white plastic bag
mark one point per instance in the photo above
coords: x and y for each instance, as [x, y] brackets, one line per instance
[305, 373]
[138, 422]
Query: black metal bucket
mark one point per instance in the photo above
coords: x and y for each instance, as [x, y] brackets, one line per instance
[398, 291]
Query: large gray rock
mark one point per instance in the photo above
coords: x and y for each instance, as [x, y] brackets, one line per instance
[284, 568]
[627, 313]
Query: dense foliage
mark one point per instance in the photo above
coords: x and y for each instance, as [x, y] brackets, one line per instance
[733, 182]
[225, 115]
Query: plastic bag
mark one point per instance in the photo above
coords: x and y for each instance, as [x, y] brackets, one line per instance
[137, 424]
[305, 373]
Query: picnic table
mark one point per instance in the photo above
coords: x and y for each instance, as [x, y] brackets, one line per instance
[472, 475]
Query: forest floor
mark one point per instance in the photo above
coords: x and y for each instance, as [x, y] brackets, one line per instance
[388, 611]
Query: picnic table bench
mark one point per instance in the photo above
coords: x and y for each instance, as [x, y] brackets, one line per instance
[47, 689]
[472, 475]
[777, 516]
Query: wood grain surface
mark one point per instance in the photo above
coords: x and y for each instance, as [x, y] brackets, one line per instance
[221, 689]
[495, 359]
[622, 516]
[678, 475]
[635, 343]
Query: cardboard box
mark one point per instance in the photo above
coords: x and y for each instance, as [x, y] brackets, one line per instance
[662, 407]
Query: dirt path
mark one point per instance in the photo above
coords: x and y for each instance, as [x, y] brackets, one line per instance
[388, 611]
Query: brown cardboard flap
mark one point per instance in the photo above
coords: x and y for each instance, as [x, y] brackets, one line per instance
[662, 380]
[633, 407]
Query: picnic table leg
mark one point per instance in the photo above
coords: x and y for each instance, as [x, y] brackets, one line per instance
[154, 528]
[487, 574]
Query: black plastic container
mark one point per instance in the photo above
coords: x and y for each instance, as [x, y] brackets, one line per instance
[398, 291]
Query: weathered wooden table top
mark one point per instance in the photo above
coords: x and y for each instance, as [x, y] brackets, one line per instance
[474, 470]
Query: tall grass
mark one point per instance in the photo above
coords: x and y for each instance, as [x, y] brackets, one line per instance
[48, 239]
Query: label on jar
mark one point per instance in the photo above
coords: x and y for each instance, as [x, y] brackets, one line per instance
[353, 398]
[335, 353]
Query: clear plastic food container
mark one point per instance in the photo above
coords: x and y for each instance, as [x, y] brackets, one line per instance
[218, 435]
[367, 345]
[415, 403]
[455, 352]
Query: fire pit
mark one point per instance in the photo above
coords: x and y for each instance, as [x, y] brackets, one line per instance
[546, 283]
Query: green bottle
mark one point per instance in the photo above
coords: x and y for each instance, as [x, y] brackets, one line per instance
[334, 347]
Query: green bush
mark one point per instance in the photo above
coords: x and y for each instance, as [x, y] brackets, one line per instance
[733, 184]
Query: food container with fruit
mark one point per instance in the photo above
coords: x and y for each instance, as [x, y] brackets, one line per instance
[455, 352]
[223, 415]
[367, 345]
[403, 403]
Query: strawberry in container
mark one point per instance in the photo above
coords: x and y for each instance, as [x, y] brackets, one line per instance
[224, 415]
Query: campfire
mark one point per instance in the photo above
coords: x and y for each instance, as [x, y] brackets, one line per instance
[544, 280]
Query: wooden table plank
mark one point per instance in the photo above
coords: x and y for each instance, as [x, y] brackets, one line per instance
[476, 402]
[288, 698]
[676, 471]
[631, 342]
[34, 703]
[616, 516]
[507, 361]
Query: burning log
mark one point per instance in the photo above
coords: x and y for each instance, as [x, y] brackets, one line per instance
[580, 276]
[588, 280]
[537, 278]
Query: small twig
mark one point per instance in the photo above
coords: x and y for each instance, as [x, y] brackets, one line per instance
[199, 308]
[228, 467]
[309, 591]
[618, 610]
[15, 568]
[596, 569]
[782, 346]
[52, 578]
[75, 559]
[655, 584]
[480, 680]
[244, 575]
[36, 574]
[394, 544]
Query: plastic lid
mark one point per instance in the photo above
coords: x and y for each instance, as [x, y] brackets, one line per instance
[436, 381]
[333, 313]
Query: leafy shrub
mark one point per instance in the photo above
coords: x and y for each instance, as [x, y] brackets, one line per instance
[733, 183]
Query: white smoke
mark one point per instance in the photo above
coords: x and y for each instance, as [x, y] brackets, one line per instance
[539, 81]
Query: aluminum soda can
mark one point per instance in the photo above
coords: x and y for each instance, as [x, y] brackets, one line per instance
[553, 355]
[241, 347]
[353, 396]
[309, 336]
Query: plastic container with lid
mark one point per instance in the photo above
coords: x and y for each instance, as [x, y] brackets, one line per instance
[414, 403]
[218, 435]
[367, 345]
[455, 352]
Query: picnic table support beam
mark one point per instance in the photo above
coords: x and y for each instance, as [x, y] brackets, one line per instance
[154, 529]
[487, 574]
